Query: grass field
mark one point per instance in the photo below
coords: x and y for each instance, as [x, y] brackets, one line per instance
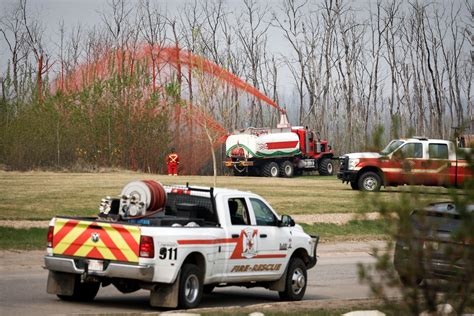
[22, 239]
[41, 195]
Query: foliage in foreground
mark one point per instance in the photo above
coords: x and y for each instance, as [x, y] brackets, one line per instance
[420, 290]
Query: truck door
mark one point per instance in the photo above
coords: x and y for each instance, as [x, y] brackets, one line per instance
[242, 239]
[253, 250]
[273, 241]
[409, 158]
[438, 166]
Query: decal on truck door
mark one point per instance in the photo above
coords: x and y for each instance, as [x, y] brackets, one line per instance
[250, 243]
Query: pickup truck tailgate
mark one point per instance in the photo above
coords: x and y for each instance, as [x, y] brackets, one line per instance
[96, 240]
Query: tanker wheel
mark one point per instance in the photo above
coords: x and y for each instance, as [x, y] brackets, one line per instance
[271, 170]
[326, 167]
[286, 169]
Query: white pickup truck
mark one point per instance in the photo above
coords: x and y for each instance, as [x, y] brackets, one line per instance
[178, 242]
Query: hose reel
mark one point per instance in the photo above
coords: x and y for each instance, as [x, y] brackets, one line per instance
[141, 197]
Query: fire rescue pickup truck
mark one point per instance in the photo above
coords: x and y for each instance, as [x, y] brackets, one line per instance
[178, 242]
[417, 160]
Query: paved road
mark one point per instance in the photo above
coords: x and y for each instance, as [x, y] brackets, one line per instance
[23, 283]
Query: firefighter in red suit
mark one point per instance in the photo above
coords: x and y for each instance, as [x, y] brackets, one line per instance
[173, 162]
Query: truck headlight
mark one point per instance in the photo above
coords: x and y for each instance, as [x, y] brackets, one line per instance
[353, 162]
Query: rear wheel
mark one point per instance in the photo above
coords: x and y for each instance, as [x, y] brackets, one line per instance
[370, 182]
[326, 167]
[296, 281]
[190, 286]
[83, 292]
[410, 281]
[271, 169]
[286, 169]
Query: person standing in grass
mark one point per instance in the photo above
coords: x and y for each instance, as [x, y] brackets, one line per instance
[172, 162]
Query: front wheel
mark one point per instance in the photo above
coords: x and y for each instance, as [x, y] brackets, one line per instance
[326, 167]
[296, 281]
[369, 182]
[190, 286]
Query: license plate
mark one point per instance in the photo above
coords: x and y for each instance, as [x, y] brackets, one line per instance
[96, 265]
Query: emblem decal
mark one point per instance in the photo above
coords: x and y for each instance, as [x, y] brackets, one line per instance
[249, 243]
[95, 237]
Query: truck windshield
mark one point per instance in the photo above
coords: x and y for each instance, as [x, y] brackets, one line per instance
[394, 144]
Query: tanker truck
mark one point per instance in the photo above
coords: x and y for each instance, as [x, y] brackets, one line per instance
[283, 151]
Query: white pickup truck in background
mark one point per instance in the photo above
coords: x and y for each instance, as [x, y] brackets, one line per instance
[178, 242]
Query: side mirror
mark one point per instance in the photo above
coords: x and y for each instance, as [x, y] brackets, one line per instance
[286, 221]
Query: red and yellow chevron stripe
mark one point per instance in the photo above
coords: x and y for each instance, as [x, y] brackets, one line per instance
[96, 240]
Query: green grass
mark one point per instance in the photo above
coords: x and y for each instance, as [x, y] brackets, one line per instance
[354, 229]
[22, 239]
[41, 195]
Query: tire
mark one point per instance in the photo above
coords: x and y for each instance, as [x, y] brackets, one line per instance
[270, 169]
[296, 281]
[354, 185]
[190, 286]
[83, 292]
[326, 167]
[369, 182]
[287, 170]
[208, 288]
[408, 281]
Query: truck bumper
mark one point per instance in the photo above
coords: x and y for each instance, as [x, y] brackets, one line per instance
[239, 163]
[347, 175]
[112, 270]
[313, 260]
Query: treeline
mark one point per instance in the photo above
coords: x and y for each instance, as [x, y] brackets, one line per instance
[340, 69]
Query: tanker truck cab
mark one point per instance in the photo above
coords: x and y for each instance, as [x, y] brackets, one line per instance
[201, 238]
[417, 161]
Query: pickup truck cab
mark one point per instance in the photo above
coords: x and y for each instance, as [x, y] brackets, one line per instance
[202, 238]
[418, 161]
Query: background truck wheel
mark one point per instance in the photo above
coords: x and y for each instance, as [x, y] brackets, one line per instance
[83, 292]
[369, 182]
[326, 167]
[286, 169]
[271, 169]
[296, 280]
[190, 287]
[354, 185]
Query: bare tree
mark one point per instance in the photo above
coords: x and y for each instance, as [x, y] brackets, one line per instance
[34, 37]
[14, 34]
[253, 38]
